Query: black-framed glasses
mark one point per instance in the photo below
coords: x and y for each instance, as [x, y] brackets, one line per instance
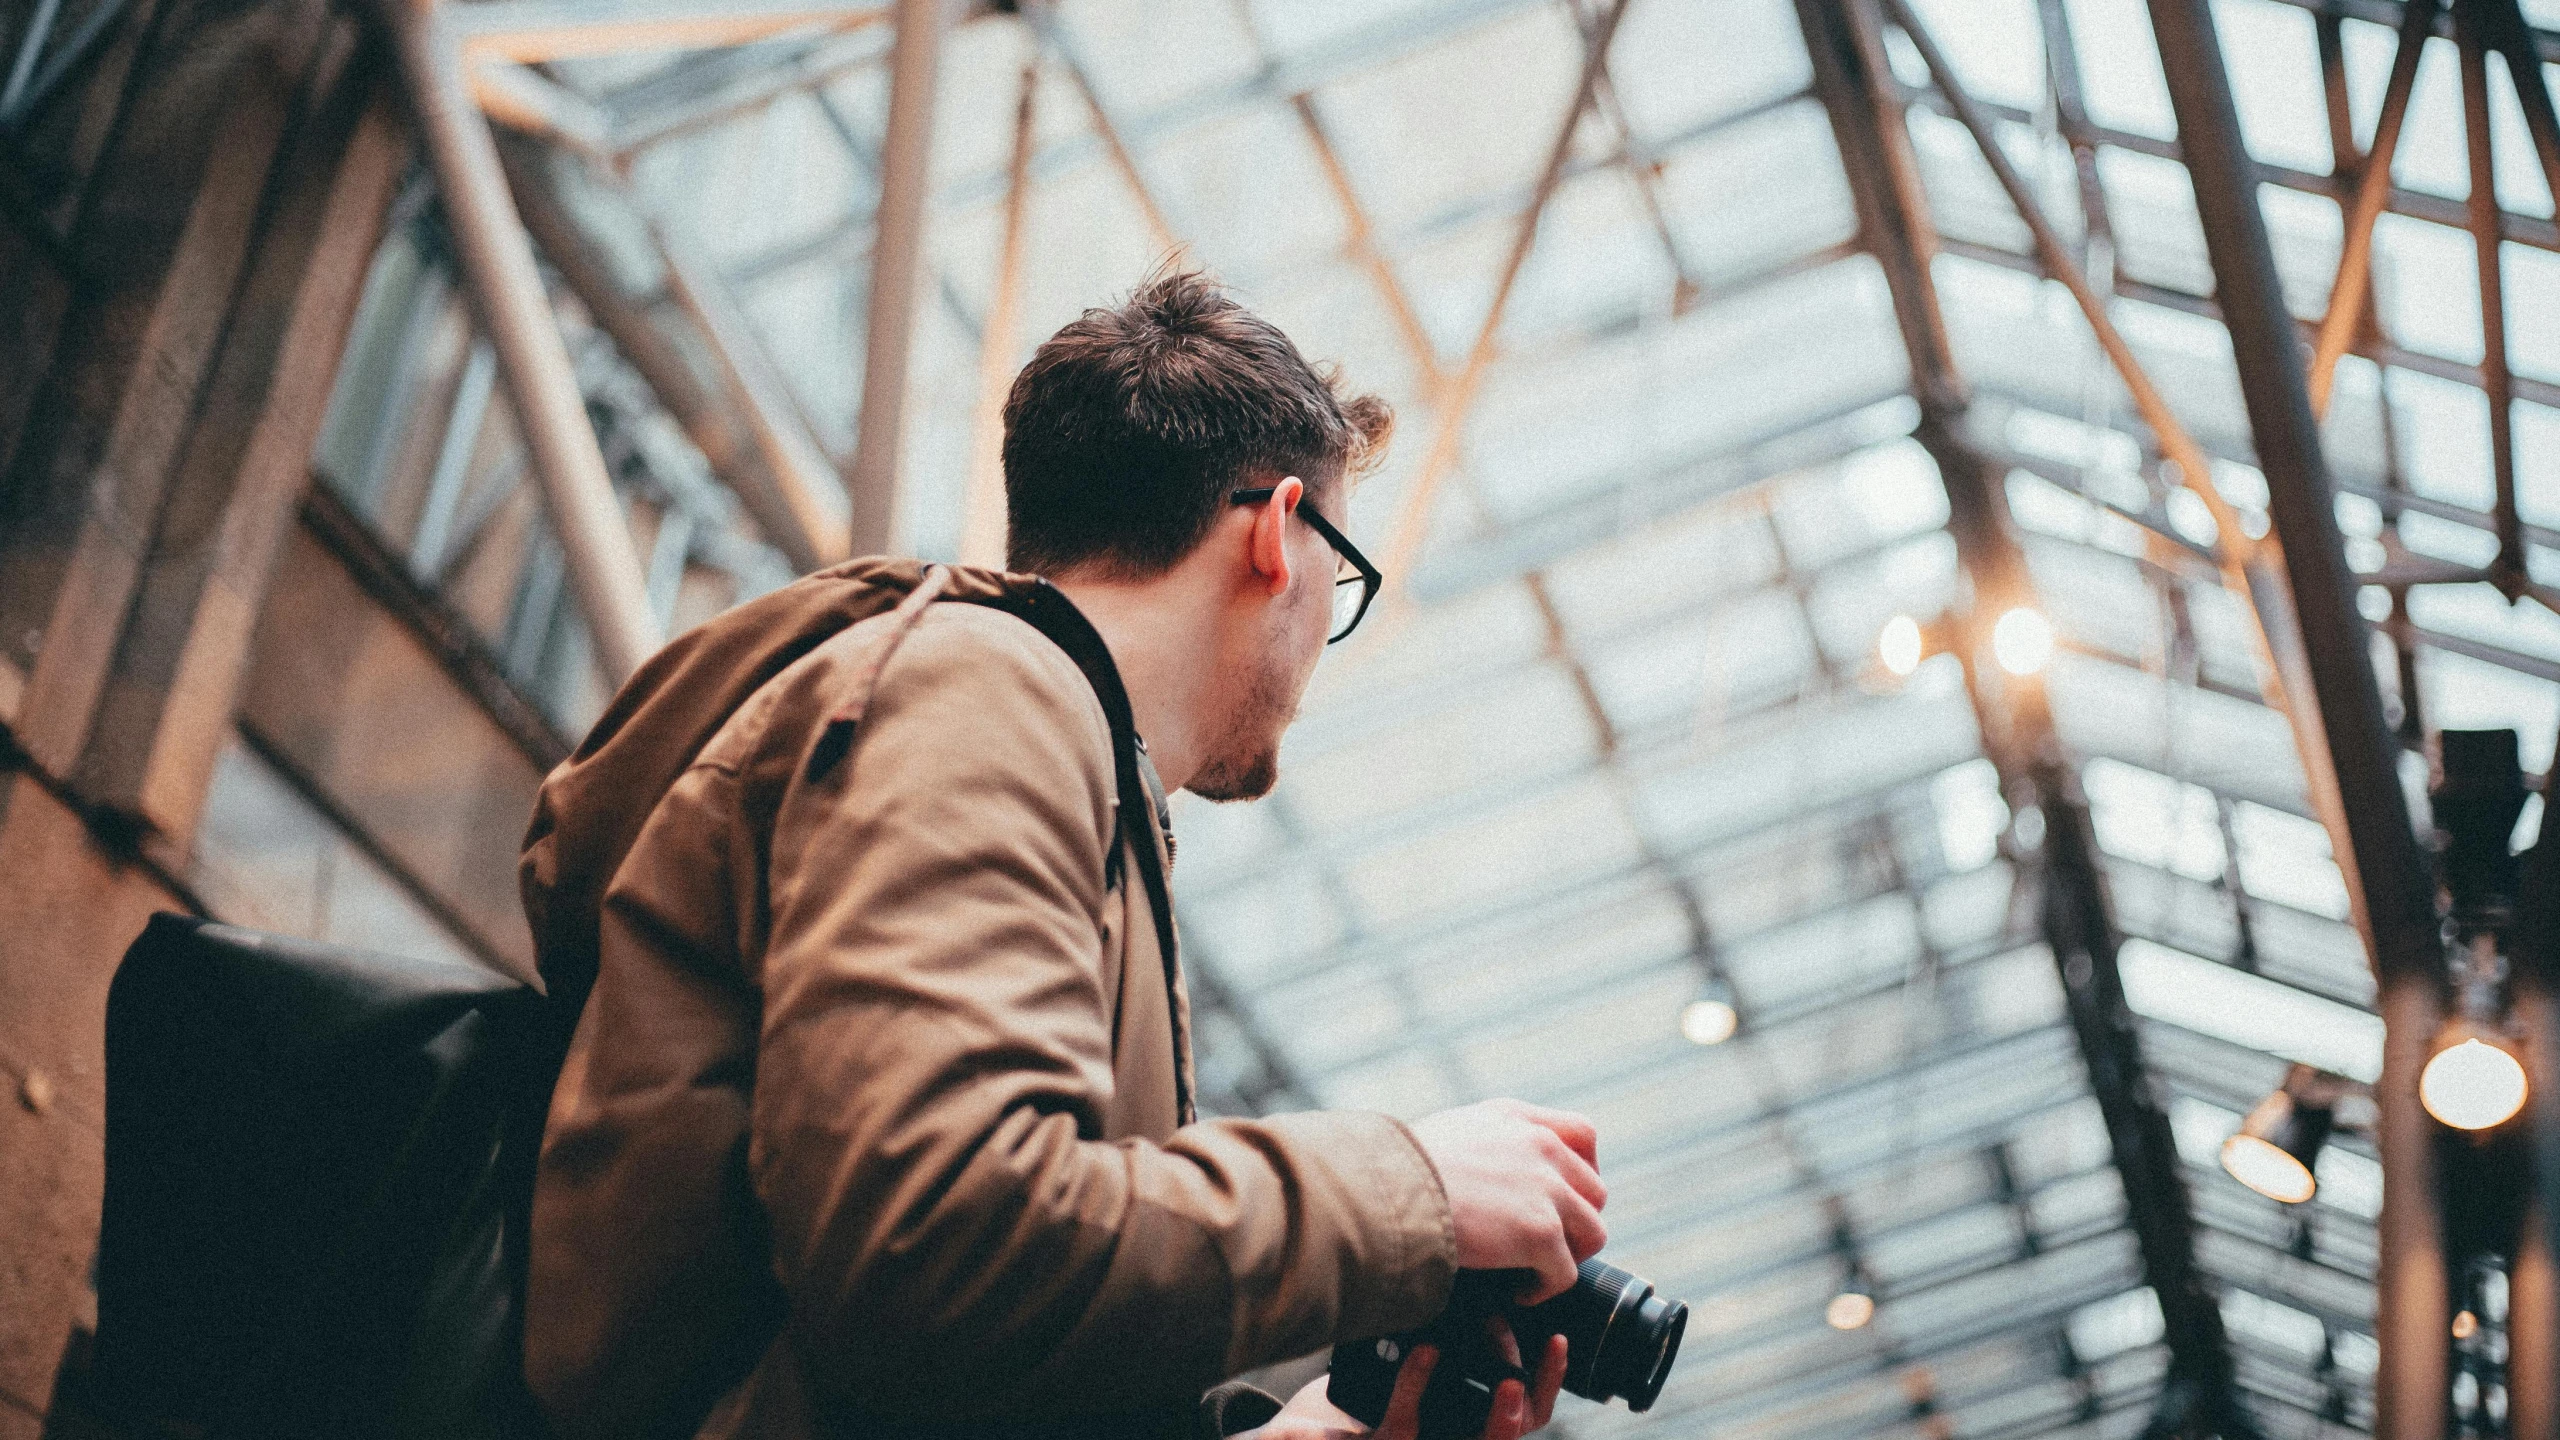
[1352, 591]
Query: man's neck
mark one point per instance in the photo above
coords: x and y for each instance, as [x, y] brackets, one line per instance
[1161, 642]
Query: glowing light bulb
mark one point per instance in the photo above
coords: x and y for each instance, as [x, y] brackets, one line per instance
[2022, 641]
[2465, 1325]
[2263, 1167]
[2472, 1085]
[1708, 1022]
[1849, 1310]
[1900, 646]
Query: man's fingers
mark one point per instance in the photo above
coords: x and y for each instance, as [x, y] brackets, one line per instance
[1584, 1231]
[1577, 1172]
[1578, 1134]
[1555, 1272]
[1542, 1401]
[1403, 1419]
[1510, 1417]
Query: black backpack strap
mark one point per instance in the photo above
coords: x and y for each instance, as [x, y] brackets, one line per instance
[1046, 609]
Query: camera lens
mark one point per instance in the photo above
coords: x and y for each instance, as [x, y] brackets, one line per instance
[1621, 1337]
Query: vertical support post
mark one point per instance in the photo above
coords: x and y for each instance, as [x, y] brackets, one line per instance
[871, 483]
[2399, 911]
[176, 671]
[2533, 1289]
[497, 259]
[2078, 920]
[2348, 296]
[982, 519]
[2487, 234]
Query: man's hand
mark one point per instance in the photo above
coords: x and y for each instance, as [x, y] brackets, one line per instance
[1516, 1412]
[1523, 1190]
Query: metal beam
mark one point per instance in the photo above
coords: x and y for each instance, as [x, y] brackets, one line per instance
[1360, 243]
[1054, 38]
[2507, 571]
[1413, 522]
[529, 102]
[490, 243]
[2545, 43]
[738, 81]
[2347, 297]
[2249, 566]
[791, 454]
[530, 31]
[897, 256]
[2399, 910]
[1857, 87]
[982, 519]
[709, 420]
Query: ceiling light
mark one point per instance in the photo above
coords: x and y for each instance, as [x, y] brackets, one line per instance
[2022, 640]
[1708, 1022]
[1711, 1018]
[2278, 1146]
[1851, 1309]
[2473, 1082]
[1901, 647]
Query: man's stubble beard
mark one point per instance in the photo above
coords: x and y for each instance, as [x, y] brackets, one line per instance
[1247, 764]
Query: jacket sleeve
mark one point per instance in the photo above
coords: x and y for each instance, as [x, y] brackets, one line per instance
[936, 1051]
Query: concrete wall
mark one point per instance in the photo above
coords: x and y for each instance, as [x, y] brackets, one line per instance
[181, 250]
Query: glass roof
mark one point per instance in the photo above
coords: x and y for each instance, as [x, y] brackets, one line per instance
[1622, 725]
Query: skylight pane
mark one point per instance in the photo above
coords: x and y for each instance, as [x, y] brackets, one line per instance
[2274, 59]
[2120, 66]
[1995, 46]
[2217, 1000]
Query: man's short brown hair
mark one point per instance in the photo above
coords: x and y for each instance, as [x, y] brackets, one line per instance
[1125, 433]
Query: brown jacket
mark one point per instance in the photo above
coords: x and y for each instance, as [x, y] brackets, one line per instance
[873, 1119]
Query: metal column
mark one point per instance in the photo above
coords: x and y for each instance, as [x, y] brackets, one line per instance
[2411, 1312]
[489, 239]
[982, 515]
[1851, 75]
[871, 483]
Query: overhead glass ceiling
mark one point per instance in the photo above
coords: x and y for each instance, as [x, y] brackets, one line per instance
[1624, 726]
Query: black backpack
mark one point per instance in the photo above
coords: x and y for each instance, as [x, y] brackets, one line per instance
[315, 1177]
[320, 1161]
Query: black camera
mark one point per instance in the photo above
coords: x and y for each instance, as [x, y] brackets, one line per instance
[1620, 1339]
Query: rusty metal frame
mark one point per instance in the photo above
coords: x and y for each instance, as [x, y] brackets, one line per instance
[983, 516]
[2400, 911]
[897, 259]
[497, 259]
[1855, 79]
[1457, 400]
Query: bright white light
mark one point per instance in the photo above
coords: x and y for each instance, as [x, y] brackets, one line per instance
[1900, 645]
[1708, 1022]
[1971, 814]
[2472, 1085]
[2022, 641]
[2104, 1328]
[2245, 1009]
[1849, 1310]
[2266, 1169]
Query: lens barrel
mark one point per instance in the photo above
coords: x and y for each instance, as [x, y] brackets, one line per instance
[1620, 1337]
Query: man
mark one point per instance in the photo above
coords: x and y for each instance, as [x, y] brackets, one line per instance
[877, 1118]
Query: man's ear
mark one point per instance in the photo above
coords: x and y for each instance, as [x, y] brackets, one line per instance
[1270, 548]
